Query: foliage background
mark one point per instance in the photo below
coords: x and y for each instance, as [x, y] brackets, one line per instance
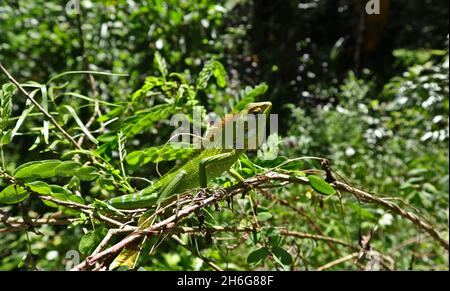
[374, 101]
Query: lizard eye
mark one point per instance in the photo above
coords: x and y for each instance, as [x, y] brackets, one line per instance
[256, 111]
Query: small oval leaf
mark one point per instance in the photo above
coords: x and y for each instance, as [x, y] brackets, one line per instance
[256, 257]
[67, 169]
[45, 169]
[58, 196]
[264, 216]
[37, 169]
[13, 194]
[39, 187]
[282, 255]
[321, 185]
[90, 240]
[87, 173]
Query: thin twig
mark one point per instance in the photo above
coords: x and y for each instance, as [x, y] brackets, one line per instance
[18, 224]
[168, 224]
[338, 261]
[367, 197]
[87, 209]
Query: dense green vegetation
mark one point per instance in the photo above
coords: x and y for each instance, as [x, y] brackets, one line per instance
[368, 93]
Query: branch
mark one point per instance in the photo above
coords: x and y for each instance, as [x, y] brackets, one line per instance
[169, 224]
[338, 261]
[370, 198]
[394, 208]
[18, 224]
[186, 207]
[86, 209]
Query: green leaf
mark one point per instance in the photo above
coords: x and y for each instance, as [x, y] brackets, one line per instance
[77, 199]
[320, 185]
[257, 256]
[211, 68]
[37, 169]
[90, 240]
[248, 95]
[40, 187]
[76, 95]
[13, 194]
[18, 171]
[87, 173]
[271, 232]
[135, 157]
[6, 92]
[80, 123]
[264, 216]
[59, 193]
[45, 169]
[6, 137]
[57, 196]
[282, 255]
[84, 72]
[220, 75]
[45, 126]
[144, 119]
[67, 169]
[276, 240]
[255, 237]
[161, 64]
[29, 107]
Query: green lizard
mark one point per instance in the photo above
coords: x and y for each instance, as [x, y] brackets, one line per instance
[206, 165]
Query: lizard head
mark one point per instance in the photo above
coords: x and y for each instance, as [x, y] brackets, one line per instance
[256, 108]
[250, 119]
[244, 129]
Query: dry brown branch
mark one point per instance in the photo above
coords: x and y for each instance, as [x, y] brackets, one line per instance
[169, 224]
[189, 205]
[394, 208]
[15, 224]
[338, 261]
[86, 209]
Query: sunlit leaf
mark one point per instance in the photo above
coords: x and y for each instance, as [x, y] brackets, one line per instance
[80, 123]
[13, 194]
[321, 185]
[87, 173]
[90, 240]
[39, 187]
